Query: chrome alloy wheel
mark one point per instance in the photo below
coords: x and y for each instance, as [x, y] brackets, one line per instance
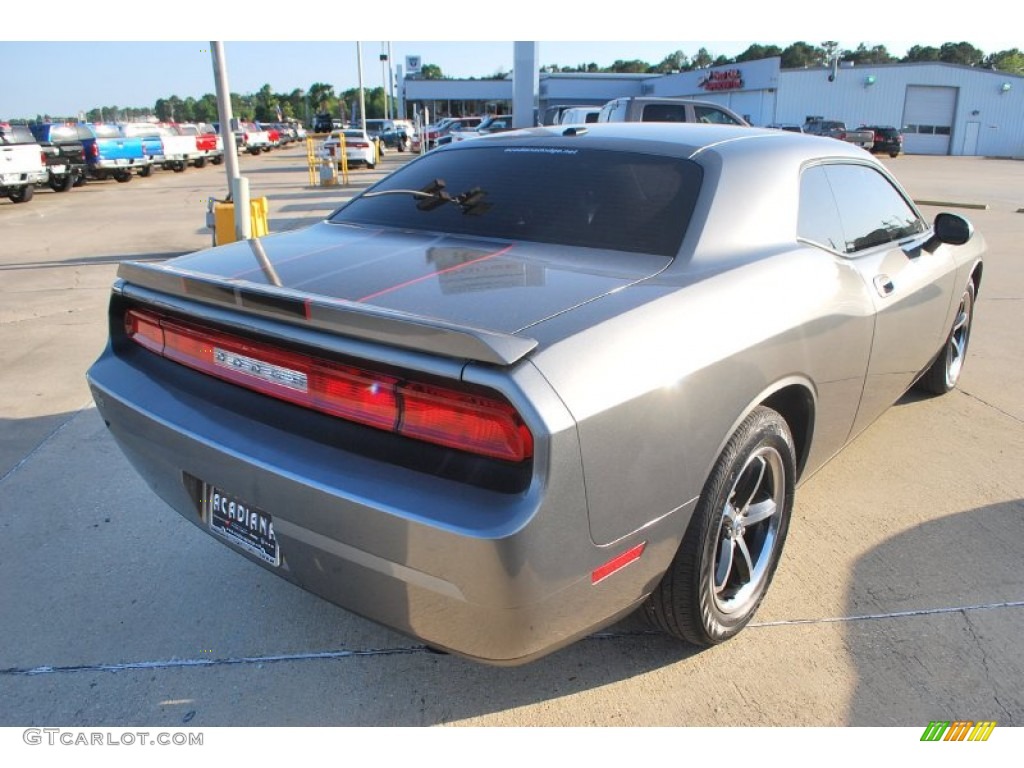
[748, 532]
[956, 349]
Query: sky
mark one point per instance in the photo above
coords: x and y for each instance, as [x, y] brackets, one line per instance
[99, 67]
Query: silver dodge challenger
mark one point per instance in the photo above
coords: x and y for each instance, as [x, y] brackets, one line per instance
[528, 384]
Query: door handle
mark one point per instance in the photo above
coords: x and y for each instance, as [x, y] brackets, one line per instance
[883, 284]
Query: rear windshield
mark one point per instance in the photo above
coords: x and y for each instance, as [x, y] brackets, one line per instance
[106, 131]
[16, 134]
[623, 201]
[63, 133]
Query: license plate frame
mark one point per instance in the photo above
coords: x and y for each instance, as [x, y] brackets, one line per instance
[241, 524]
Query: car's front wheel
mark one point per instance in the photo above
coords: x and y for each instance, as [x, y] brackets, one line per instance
[944, 372]
[732, 545]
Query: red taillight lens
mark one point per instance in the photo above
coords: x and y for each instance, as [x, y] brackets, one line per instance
[466, 421]
[94, 150]
[145, 329]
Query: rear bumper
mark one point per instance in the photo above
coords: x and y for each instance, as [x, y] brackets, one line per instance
[120, 163]
[497, 577]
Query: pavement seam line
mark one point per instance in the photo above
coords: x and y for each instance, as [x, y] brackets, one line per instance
[401, 651]
[45, 440]
[995, 408]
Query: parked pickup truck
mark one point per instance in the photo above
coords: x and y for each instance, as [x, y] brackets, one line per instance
[65, 153]
[837, 129]
[180, 149]
[657, 109]
[209, 144]
[109, 153]
[22, 163]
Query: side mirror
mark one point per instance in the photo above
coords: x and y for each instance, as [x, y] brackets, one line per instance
[951, 229]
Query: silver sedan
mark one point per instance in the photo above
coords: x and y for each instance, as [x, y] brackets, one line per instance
[531, 383]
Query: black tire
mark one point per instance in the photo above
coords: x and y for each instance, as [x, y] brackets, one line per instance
[267, 149]
[199, 162]
[734, 540]
[62, 183]
[254, 150]
[179, 167]
[22, 194]
[944, 372]
[217, 160]
[121, 177]
[894, 154]
[79, 180]
[146, 170]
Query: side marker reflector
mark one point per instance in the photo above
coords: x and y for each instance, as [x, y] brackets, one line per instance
[617, 563]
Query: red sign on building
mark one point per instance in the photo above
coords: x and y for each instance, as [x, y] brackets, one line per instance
[723, 80]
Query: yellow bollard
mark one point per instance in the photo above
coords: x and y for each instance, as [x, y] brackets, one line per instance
[224, 220]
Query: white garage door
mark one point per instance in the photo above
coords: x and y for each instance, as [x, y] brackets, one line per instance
[928, 119]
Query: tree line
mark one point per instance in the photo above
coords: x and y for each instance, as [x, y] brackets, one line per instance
[801, 54]
[268, 106]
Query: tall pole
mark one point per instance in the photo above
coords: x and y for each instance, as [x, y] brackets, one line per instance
[362, 93]
[239, 187]
[384, 77]
[391, 85]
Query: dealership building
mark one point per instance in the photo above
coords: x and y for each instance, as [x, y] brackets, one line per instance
[943, 109]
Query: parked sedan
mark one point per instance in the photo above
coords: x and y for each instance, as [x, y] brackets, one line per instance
[530, 383]
[360, 149]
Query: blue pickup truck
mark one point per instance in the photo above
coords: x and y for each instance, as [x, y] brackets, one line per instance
[111, 154]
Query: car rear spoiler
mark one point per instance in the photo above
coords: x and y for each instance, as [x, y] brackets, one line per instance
[347, 318]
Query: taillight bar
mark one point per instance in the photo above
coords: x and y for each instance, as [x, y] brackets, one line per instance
[463, 420]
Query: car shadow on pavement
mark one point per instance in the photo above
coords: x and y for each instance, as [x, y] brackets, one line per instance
[935, 620]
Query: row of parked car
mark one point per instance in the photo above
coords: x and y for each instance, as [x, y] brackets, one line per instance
[63, 156]
[878, 139]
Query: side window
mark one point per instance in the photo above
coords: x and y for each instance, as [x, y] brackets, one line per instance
[712, 115]
[818, 220]
[873, 212]
[664, 113]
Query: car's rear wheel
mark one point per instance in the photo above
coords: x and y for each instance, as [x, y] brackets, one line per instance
[944, 372]
[734, 540]
[124, 176]
[62, 183]
[199, 162]
[144, 171]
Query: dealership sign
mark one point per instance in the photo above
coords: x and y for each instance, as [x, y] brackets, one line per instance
[723, 80]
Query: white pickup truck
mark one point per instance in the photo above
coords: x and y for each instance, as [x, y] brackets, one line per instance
[163, 146]
[22, 163]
